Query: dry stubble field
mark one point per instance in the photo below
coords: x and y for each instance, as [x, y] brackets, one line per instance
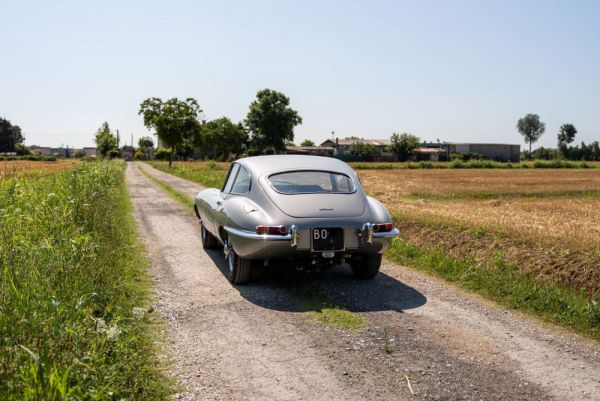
[544, 220]
[25, 168]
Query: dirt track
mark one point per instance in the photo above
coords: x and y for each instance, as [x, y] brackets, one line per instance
[256, 341]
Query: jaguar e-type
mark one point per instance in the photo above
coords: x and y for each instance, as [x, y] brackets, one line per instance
[309, 210]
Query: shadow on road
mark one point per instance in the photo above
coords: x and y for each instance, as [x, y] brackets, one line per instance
[280, 287]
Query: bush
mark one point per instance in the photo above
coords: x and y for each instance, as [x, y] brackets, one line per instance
[22, 150]
[162, 154]
[554, 164]
[80, 153]
[113, 154]
[467, 156]
[138, 155]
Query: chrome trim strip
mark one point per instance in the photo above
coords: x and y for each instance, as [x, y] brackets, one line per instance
[386, 234]
[253, 235]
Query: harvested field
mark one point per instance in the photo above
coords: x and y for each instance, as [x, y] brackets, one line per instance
[480, 183]
[544, 221]
[550, 207]
[566, 222]
[26, 168]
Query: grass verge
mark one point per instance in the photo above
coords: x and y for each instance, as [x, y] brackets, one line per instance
[175, 194]
[210, 175]
[75, 296]
[504, 283]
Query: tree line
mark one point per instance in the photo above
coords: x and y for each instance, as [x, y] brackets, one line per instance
[532, 129]
[268, 126]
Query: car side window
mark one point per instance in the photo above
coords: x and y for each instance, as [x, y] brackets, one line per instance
[241, 185]
[231, 178]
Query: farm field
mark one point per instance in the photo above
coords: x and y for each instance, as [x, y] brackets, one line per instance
[544, 220]
[25, 168]
[554, 207]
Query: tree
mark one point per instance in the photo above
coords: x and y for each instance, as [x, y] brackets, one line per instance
[105, 140]
[145, 142]
[595, 150]
[404, 145]
[221, 138]
[307, 142]
[271, 121]
[566, 135]
[173, 120]
[80, 153]
[531, 128]
[361, 149]
[10, 136]
[22, 150]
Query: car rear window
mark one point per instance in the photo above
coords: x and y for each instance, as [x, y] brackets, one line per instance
[311, 182]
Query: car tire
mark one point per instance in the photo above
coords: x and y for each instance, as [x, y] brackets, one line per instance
[239, 270]
[366, 267]
[209, 241]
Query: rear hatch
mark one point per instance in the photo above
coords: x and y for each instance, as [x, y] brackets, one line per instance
[287, 192]
[320, 205]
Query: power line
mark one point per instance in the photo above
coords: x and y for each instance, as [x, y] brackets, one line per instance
[30, 134]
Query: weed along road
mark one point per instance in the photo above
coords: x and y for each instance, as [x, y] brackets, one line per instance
[292, 336]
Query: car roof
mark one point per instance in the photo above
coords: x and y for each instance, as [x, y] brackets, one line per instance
[259, 165]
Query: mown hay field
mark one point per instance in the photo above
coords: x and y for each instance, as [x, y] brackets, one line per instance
[545, 221]
[26, 168]
[553, 207]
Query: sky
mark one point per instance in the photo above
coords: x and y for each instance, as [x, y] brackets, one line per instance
[456, 71]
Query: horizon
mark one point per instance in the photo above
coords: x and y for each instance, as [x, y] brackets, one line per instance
[457, 72]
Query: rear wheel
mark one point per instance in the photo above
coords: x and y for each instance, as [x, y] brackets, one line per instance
[209, 241]
[239, 270]
[366, 267]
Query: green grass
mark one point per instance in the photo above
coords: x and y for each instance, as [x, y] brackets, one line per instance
[210, 175]
[504, 283]
[340, 318]
[175, 194]
[75, 317]
[324, 310]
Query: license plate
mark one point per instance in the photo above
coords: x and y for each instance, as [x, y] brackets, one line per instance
[327, 239]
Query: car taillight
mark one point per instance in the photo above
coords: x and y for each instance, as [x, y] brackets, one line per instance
[271, 230]
[378, 228]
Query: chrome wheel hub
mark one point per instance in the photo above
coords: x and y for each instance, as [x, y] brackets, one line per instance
[228, 251]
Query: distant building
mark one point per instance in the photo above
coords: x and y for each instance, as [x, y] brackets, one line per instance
[310, 150]
[60, 151]
[343, 145]
[90, 151]
[430, 154]
[499, 152]
[40, 150]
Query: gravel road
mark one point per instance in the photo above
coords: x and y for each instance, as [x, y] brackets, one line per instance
[424, 338]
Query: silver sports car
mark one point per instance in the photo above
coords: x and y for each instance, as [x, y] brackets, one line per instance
[309, 210]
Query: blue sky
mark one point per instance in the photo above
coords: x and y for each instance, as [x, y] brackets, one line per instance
[449, 70]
